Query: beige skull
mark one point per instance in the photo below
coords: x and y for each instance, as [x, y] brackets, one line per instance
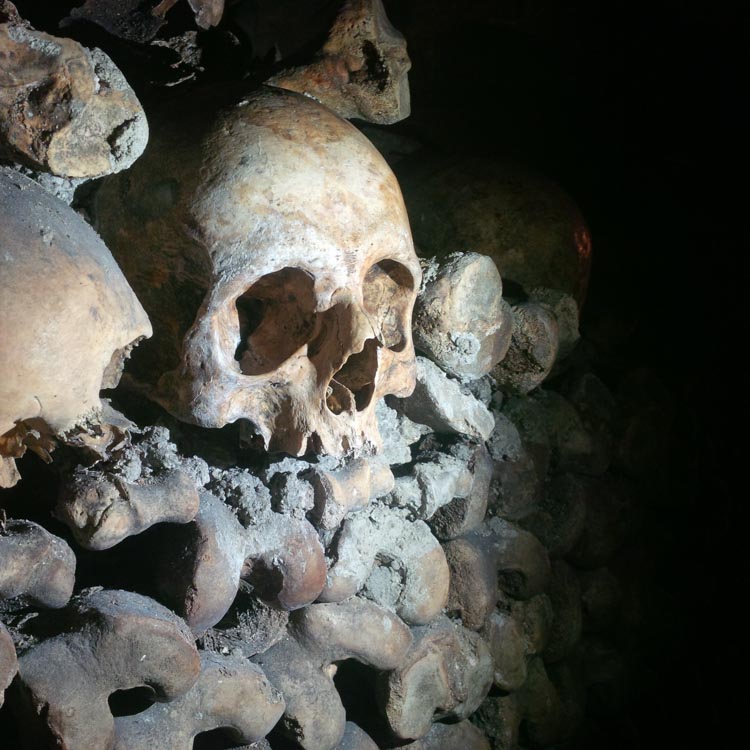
[290, 227]
[68, 319]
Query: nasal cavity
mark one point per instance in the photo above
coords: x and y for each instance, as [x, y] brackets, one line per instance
[352, 387]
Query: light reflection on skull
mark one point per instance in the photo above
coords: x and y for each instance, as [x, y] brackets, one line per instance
[291, 227]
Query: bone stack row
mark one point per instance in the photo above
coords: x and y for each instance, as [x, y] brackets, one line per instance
[465, 570]
[446, 589]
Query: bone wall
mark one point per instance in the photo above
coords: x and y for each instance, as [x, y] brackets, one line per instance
[505, 542]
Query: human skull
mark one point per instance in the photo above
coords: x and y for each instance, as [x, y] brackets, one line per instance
[68, 319]
[271, 247]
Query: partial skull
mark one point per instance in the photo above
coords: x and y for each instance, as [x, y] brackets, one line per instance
[361, 71]
[272, 250]
[68, 320]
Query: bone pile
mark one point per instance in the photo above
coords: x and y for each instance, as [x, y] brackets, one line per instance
[377, 502]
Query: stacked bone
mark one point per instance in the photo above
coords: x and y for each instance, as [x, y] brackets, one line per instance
[344, 601]
[540, 577]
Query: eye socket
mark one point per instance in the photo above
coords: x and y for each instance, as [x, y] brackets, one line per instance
[388, 288]
[276, 317]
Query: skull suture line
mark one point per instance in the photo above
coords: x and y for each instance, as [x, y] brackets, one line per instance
[288, 229]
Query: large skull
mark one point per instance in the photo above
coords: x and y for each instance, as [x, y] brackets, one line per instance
[271, 248]
[68, 319]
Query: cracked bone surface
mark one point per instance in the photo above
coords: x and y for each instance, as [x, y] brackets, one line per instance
[302, 666]
[64, 109]
[440, 403]
[341, 490]
[102, 509]
[460, 321]
[532, 352]
[497, 555]
[63, 299]
[361, 71]
[281, 554]
[231, 693]
[283, 285]
[507, 642]
[399, 560]
[110, 641]
[448, 486]
[445, 675]
[35, 564]
[8, 661]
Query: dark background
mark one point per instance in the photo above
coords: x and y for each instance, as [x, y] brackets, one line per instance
[634, 109]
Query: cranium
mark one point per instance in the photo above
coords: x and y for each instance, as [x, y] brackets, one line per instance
[68, 319]
[271, 248]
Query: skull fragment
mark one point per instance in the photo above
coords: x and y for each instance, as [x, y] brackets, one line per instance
[273, 253]
[68, 320]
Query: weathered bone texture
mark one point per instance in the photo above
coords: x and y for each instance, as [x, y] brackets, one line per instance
[291, 548]
[281, 282]
[398, 433]
[399, 560]
[354, 629]
[532, 352]
[435, 480]
[65, 109]
[217, 551]
[517, 485]
[565, 309]
[212, 548]
[440, 403]
[531, 229]
[499, 554]
[459, 319]
[101, 509]
[84, 314]
[301, 667]
[361, 71]
[346, 489]
[8, 661]
[113, 640]
[284, 558]
[250, 626]
[445, 675]
[355, 738]
[507, 643]
[231, 693]
[499, 717]
[535, 616]
[461, 736]
[35, 564]
[465, 513]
